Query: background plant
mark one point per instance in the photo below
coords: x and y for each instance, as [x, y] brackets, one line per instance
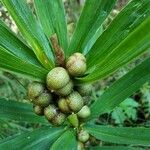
[112, 55]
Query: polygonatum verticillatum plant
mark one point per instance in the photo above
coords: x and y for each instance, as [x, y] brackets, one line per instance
[62, 72]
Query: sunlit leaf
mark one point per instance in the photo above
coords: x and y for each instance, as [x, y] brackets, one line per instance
[121, 135]
[93, 14]
[31, 30]
[14, 45]
[122, 26]
[12, 63]
[131, 47]
[52, 17]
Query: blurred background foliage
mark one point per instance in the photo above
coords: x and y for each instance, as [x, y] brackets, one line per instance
[134, 111]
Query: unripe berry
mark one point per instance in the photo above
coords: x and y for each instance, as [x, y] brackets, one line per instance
[35, 89]
[75, 101]
[63, 105]
[76, 65]
[57, 78]
[59, 119]
[66, 90]
[85, 89]
[43, 100]
[38, 110]
[80, 146]
[50, 112]
[84, 112]
[83, 136]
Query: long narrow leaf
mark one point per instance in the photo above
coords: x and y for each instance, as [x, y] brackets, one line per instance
[131, 47]
[122, 89]
[52, 17]
[9, 41]
[38, 139]
[13, 110]
[127, 20]
[93, 14]
[69, 142]
[114, 148]
[121, 135]
[31, 30]
[14, 64]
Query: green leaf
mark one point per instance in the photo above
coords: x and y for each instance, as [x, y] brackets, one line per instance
[122, 26]
[114, 148]
[118, 116]
[11, 63]
[122, 89]
[93, 14]
[130, 48]
[121, 135]
[31, 30]
[38, 139]
[13, 110]
[52, 17]
[68, 140]
[14, 45]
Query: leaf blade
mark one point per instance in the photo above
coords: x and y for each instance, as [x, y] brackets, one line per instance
[13, 110]
[126, 21]
[89, 23]
[31, 30]
[41, 138]
[135, 44]
[114, 148]
[14, 64]
[53, 21]
[121, 89]
[121, 135]
[10, 41]
[68, 138]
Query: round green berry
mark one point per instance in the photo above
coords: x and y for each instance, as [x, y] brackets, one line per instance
[84, 112]
[85, 89]
[63, 105]
[75, 101]
[83, 136]
[59, 119]
[43, 100]
[34, 90]
[50, 112]
[57, 78]
[38, 110]
[66, 90]
[76, 65]
[80, 146]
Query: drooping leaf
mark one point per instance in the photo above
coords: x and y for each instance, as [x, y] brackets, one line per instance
[38, 139]
[68, 140]
[122, 26]
[114, 148]
[131, 47]
[12, 63]
[122, 89]
[93, 14]
[31, 30]
[13, 110]
[121, 135]
[14, 45]
[52, 17]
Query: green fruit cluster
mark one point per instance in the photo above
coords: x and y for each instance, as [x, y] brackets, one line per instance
[59, 97]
